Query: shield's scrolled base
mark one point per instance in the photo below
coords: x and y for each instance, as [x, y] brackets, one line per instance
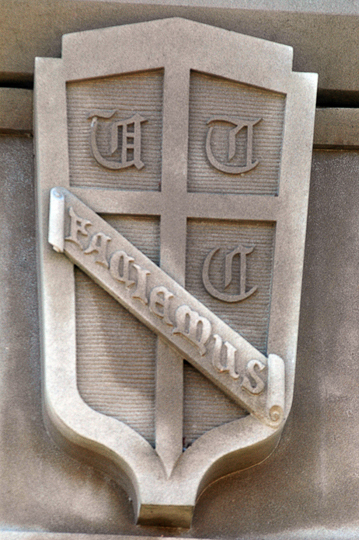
[158, 500]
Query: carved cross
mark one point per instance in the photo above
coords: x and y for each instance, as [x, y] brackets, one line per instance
[174, 205]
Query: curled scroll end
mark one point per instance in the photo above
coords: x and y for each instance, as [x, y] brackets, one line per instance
[57, 220]
[276, 389]
[276, 413]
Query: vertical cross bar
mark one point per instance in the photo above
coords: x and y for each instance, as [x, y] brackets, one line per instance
[169, 369]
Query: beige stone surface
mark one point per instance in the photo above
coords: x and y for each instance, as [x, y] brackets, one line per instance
[95, 79]
[34, 28]
[307, 490]
[336, 128]
[320, 533]
[40, 488]
[16, 110]
[333, 127]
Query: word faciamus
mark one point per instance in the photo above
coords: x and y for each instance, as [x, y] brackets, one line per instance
[161, 303]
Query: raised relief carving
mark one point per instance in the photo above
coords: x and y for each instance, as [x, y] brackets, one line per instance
[242, 251]
[130, 139]
[160, 298]
[98, 244]
[229, 357]
[199, 189]
[192, 326]
[238, 124]
[197, 333]
[252, 381]
[77, 225]
[120, 267]
[141, 285]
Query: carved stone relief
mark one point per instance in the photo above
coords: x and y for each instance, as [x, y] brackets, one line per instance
[180, 189]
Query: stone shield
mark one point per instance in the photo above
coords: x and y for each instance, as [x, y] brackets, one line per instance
[173, 164]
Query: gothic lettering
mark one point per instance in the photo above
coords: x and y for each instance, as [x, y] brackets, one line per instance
[242, 251]
[229, 356]
[120, 267]
[160, 298]
[130, 140]
[141, 286]
[77, 225]
[252, 381]
[98, 244]
[192, 326]
[187, 322]
[238, 124]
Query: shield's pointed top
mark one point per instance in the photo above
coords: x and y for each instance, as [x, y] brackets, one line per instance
[176, 35]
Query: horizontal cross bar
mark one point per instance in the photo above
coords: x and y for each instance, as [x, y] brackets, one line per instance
[192, 205]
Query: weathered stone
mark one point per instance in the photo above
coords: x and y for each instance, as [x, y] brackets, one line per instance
[41, 487]
[255, 192]
[336, 128]
[15, 110]
[44, 490]
[331, 26]
[295, 493]
[333, 127]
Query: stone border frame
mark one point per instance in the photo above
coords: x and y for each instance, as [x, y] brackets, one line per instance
[177, 46]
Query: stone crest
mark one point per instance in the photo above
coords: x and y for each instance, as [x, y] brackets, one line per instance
[173, 164]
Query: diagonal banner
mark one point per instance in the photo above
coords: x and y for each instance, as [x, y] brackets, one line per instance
[159, 302]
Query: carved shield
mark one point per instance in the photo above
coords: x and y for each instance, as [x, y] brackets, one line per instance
[173, 164]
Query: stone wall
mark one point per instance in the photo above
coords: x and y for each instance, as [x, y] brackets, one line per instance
[309, 487]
